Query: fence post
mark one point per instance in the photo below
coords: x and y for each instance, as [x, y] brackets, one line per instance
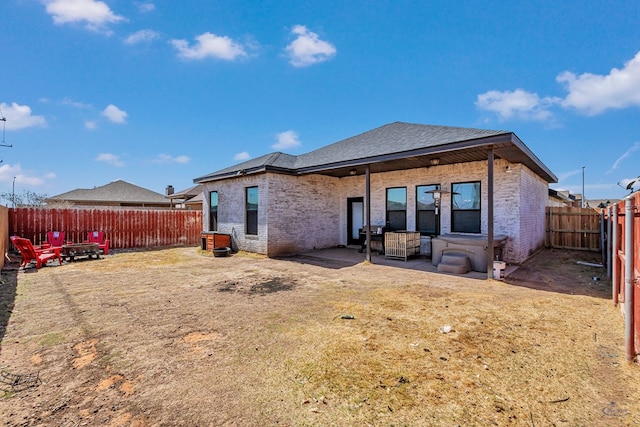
[628, 278]
[608, 241]
[615, 270]
[551, 227]
[603, 238]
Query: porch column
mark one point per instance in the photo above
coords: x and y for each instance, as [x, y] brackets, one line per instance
[490, 214]
[367, 212]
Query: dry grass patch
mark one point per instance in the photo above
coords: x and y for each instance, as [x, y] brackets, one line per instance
[173, 337]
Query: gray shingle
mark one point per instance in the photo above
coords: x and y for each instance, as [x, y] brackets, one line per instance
[396, 137]
[116, 191]
[393, 138]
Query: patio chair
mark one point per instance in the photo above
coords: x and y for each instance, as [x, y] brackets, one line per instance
[99, 237]
[56, 238]
[29, 253]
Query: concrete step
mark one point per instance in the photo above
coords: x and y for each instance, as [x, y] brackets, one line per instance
[454, 263]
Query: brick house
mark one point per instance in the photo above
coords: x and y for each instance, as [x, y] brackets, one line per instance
[489, 183]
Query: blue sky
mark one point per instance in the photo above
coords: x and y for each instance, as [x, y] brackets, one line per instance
[160, 92]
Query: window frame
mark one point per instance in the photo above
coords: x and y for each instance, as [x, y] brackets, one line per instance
[251, 215]
[213, 214]
[473, 213]
[421, 189]
[389, 226]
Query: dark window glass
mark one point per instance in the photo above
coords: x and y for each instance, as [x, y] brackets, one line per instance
[252, 211]
[396, 209]
[213, 211]
[465, 207]
[426, 221]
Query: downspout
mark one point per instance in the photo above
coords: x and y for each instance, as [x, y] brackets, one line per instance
[490, 214]
[615, 270]
[367, 214]
[628, 278]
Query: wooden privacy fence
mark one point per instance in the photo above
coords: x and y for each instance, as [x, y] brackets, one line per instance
[4, 233]
[573, 228]
[622, 228]
[125, 228]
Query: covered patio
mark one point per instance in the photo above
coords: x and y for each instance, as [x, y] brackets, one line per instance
[342, 257]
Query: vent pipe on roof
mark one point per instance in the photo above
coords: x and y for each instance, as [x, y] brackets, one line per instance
[169, 190]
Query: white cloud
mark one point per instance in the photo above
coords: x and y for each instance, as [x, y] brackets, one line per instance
[242, 156]
[307, 49]
[593, 93]
[142, 36]
[90, 125]
[568, 174]
[76, 104]
[96, 14]
[110, 159]
[8, 172]
[164, 159]
[588, 93]
[20, 117]
[517, 104]
[114, 114]
[286, 140]
[624, 156]
[145, 7]
[210, 45]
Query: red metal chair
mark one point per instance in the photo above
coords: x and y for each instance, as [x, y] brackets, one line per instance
[29, 253]
[99, 237]
[56, 238]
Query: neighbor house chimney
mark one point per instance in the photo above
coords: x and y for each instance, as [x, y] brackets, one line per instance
[169, 190]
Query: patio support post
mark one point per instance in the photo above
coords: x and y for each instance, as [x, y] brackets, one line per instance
[367, 212]
[490, 214]
[628, 278]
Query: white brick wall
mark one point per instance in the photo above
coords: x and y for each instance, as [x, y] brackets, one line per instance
[303, 214]
[231, 210]
[296, 214]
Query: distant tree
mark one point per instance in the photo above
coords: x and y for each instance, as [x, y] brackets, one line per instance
[25, 199]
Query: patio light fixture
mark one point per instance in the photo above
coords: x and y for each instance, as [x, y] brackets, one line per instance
[435, 161]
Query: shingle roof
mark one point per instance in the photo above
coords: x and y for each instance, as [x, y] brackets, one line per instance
[395, 137]
[389, 143]
[186, 194]
[116, 191]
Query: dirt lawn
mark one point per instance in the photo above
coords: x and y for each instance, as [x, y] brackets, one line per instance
[177, 338]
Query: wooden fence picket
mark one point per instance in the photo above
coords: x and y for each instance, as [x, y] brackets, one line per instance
[125, 228]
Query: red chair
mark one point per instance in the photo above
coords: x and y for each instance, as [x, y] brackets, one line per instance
[56, 238]
[29, 253]
[100, 238]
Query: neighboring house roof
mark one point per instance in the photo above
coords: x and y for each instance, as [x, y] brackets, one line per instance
[565, 196]
[187, 194]
[395, 146]
[117, 192]
[192, 196]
